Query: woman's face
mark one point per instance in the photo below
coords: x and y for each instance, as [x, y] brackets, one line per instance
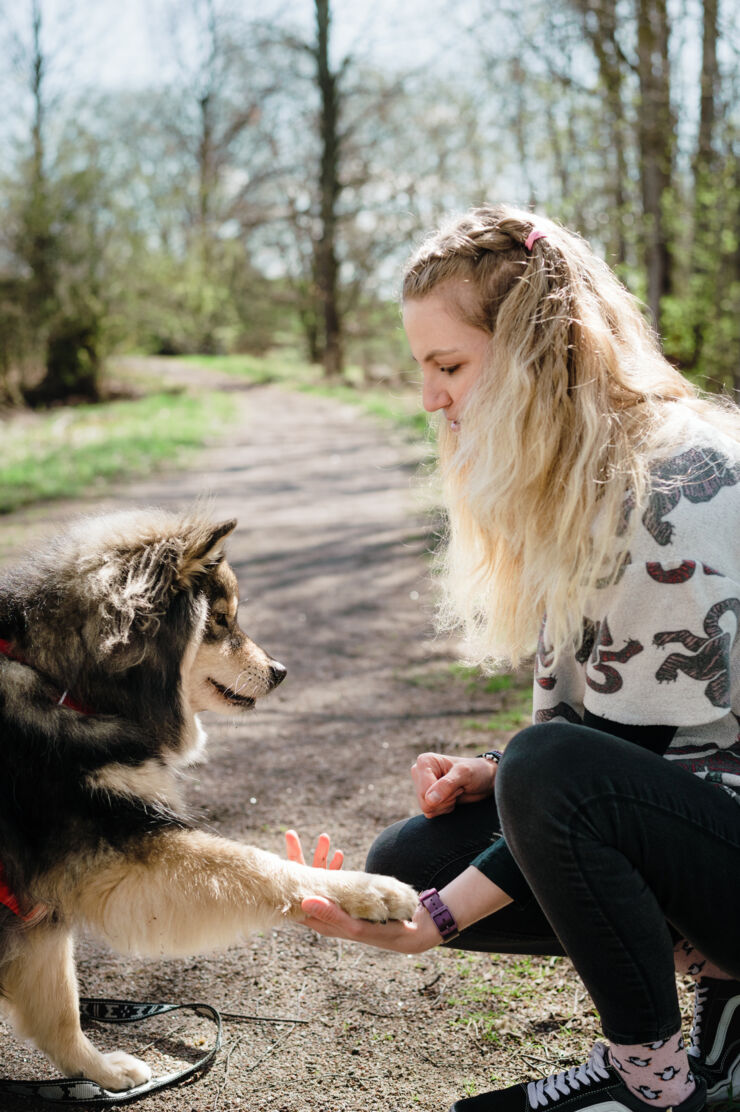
[450, 352]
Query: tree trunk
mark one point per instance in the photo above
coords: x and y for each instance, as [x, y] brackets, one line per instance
[40, 248]
[70, 345]
[602, 34]
[734, 273]
[205, 179]
[656, 131]
[708, 84]
[327, 269]
[706, 255]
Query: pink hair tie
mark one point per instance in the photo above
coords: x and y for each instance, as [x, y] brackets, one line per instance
[532, 238]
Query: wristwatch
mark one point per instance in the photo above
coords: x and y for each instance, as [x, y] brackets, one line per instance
[443, 918]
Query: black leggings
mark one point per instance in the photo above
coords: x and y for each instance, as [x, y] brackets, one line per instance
[620, 852]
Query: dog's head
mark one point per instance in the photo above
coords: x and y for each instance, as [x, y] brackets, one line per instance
[143, 594]
[228, 670]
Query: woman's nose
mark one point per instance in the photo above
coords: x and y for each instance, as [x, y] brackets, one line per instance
[434, 396]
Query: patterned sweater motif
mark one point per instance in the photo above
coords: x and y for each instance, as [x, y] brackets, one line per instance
[660, 644]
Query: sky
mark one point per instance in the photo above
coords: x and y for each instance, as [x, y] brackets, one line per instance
[118, 43]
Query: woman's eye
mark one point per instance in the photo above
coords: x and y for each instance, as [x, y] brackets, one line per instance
[450, 370]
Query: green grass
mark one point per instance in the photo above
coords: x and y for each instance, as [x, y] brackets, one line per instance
[510, 706]
[503, 721]
[514, 692]
[475, 680]
[401, 405]
[66, 452]
[260, 369]
[523, 1001]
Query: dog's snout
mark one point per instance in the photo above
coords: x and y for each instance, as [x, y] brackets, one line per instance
[278, 672]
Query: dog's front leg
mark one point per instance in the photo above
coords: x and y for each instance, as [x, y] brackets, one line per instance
[185, 891]
[40, 992]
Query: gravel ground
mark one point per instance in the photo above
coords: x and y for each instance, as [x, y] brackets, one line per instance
[331, 554]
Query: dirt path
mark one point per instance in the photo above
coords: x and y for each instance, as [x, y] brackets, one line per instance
[330, 553]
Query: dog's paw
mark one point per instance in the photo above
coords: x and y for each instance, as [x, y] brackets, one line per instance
[374, 897]
[119, 1071]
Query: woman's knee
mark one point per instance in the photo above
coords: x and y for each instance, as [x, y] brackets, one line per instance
[424, 852]
[538, 746]
[400, 851]
[537, 762]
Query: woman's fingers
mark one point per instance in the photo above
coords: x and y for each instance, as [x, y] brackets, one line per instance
[447, 787]
[294, 851]
[442, 805]
[426, 771]
[327, 918]
[293, 847]
[468, 777]
[321, 852]
[321, 855]
[325, 910]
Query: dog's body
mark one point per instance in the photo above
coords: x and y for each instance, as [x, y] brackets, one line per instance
[112, 641]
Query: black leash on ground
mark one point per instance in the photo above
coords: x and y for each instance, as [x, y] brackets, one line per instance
[81, 1091]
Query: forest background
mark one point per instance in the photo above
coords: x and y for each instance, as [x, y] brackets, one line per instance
[248, 179]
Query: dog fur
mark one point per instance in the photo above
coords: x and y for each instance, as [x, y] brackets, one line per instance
[135, 616]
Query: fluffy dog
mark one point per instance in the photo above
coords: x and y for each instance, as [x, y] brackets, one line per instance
[111, 642]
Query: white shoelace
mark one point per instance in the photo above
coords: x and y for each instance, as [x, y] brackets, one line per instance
[700, 995]
[549, 1089]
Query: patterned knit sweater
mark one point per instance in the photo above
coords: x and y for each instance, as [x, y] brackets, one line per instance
[661, 645]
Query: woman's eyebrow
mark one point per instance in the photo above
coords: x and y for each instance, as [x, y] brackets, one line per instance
[434, 354]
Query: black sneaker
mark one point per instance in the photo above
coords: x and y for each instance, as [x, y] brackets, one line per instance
[596, 1084]
[714, 1053]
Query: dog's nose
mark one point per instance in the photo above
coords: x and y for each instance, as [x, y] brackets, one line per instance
[278, 672]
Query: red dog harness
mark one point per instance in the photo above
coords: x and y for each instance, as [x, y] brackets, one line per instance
[8, 897]
[65, 699]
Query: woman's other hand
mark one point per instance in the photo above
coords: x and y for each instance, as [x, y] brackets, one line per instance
[294, 851]
[442, 782]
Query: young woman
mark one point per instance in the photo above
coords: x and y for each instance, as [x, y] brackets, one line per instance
[594, 517]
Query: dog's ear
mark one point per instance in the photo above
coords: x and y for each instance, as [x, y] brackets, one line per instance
[131, 588]
[202, 551]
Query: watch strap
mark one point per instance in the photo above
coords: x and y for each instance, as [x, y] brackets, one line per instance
[443, 918]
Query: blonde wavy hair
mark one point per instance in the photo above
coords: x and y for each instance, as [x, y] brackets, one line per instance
[574, 404]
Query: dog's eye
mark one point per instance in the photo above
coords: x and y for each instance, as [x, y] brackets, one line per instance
[221, 619]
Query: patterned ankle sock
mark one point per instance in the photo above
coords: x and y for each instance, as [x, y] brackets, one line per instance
[657, 1073]
[687, 959]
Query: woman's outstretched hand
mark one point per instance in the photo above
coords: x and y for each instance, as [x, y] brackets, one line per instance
[294, 851]
[410, 937]
[443, 782]
[327, 918]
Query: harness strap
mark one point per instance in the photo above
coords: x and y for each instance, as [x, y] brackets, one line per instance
[69, 1090]
[7, 649]
[65, 700]
[7, 895]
